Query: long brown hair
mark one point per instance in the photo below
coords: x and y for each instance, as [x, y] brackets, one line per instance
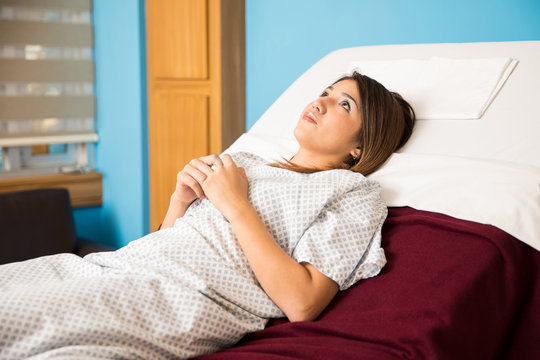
[387, 123]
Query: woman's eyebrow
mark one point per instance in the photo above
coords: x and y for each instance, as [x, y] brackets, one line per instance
[350, 97]
[344, 94]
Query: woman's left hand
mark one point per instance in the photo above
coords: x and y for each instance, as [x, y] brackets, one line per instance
[227, 187]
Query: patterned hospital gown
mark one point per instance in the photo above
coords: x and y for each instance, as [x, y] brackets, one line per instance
[189, 290]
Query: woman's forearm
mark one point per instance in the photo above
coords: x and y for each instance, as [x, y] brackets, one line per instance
[295, 288]
[176, 210]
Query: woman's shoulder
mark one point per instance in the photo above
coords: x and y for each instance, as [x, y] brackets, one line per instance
[345, 176]
[245, 159]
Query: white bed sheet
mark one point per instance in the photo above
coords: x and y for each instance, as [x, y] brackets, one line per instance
[499, 193]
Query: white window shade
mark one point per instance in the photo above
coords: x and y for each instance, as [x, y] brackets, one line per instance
[44, 139]
[46, 84]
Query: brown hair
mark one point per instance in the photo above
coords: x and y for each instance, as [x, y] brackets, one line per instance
[387, 124]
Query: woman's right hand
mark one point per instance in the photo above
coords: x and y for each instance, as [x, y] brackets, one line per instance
[189, 180]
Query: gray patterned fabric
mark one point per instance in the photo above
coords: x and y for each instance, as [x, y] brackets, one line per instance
[189, 290]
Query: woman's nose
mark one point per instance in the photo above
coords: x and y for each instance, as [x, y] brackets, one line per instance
[318, 106]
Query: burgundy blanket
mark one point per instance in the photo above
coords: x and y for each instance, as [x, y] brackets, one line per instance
[452, 289]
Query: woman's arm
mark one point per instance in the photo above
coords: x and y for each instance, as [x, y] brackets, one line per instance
[300, 290]
[176, 210]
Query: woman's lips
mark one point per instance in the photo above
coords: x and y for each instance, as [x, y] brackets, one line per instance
[310, 118]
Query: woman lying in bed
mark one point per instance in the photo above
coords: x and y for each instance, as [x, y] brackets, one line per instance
[242, 242]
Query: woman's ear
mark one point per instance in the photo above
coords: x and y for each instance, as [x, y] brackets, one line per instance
[356, 152]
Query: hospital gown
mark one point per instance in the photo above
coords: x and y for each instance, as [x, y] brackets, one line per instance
[189, 289]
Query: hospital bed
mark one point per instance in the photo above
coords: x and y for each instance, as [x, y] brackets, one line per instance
[462, 237]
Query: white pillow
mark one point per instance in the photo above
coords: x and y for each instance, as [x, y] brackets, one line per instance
[442, 88]
[503, 194]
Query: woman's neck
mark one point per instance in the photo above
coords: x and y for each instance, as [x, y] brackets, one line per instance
[309, 160]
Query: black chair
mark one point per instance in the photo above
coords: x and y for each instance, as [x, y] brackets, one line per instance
[39, 222]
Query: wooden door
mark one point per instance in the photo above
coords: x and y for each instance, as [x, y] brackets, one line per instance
[195, 49]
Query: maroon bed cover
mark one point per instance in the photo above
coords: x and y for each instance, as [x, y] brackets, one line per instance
[452, 289]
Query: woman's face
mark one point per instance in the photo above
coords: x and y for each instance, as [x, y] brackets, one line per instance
[329, 125]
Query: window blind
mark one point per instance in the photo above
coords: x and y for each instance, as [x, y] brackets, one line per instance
[46, 85]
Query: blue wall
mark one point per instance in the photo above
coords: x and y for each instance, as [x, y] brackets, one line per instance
[121, 122]
[285, 37]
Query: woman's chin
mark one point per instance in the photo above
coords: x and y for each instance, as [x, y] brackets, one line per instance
[302, 132]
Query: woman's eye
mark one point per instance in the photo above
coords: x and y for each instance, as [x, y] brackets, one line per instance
[346, 105]
[324, 94]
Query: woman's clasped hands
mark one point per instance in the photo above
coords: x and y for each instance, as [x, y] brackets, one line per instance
[216, 179]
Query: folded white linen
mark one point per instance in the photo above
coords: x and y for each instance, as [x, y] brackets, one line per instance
[502, 194]
[442, 88]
